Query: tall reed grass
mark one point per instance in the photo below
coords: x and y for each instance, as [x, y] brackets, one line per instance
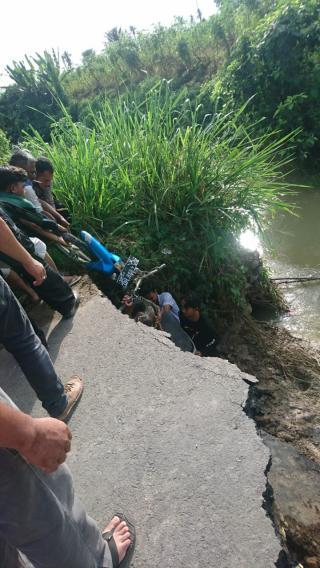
[151, 180]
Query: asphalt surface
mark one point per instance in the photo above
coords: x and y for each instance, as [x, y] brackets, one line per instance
[161, 436]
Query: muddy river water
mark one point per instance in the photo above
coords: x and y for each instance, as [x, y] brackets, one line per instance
[295, 251]
[292, 249]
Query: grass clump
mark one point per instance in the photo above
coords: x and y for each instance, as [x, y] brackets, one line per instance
[5, 147]
[154, 180]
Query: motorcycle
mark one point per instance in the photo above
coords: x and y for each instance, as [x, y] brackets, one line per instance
[87, 251]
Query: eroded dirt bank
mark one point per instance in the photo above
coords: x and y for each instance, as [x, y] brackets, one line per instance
[286, 405]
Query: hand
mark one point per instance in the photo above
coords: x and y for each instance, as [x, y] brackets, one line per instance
[59, 240]
[62, 228]
[35, 269]
[48, 445]
[64, 222]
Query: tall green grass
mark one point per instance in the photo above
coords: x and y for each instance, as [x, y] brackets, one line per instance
[150, 179]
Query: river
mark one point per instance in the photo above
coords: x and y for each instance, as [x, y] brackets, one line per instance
[291, 248]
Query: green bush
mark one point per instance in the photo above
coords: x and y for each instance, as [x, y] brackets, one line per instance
[277, 65]
[154, 182]
[4, 147]
[34, 95]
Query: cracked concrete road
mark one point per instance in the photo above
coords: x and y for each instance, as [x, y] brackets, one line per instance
[161, 436]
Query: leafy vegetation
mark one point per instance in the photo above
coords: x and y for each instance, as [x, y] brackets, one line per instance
[4, 147]
[34, 95]
[152, 181]
[264, 50]
[150, 148]
[278, 64]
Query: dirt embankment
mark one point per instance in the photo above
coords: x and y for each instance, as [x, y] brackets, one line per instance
[286, 401]
[286, 404]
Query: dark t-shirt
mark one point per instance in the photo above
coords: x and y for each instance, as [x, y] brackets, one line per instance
[44, 193]
[201, 333]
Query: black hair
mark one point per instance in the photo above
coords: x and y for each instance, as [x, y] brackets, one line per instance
[143, 313]
[147, 287]
[10, 175]
[21, 159]
[44, 165]
[138, 306]
[192, 300]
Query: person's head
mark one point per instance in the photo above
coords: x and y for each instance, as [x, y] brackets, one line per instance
[190, 306]
[44, 172]
[147, 318]
[143, 314]
[25, 160]
[149, 291]
[12, 180]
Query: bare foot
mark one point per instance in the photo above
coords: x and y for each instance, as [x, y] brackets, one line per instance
[121, 535]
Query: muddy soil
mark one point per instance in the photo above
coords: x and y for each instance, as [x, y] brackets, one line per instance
[286, 405]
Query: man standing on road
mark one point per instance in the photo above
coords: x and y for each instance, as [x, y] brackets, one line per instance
[42, 523]
[18, 337]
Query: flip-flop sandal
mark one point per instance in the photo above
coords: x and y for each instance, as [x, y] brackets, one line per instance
[108, 536]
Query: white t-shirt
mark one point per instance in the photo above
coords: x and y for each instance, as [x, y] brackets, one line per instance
[31, 195]
[40, 248]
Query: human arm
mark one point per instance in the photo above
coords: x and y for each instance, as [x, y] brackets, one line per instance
[206, 338]
[54, 213]
[11, 247]
[30, 195]
[167, 302]
[43, 233]
[13, 279]
[43, 442]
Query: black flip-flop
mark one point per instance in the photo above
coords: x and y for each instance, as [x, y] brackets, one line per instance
[108, 536]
